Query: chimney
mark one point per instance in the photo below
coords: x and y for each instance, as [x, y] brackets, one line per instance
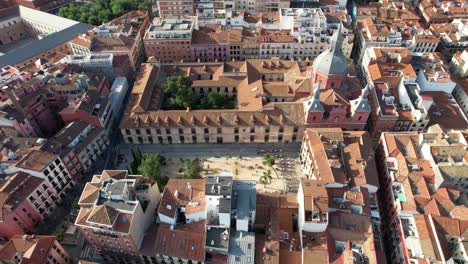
[190, 189]
[10, 93]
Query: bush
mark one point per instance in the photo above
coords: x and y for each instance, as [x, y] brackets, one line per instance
[191, 169]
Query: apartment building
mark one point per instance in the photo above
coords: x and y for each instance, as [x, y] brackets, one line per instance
[122, 36]
[433, 74]
[208, 220]
[116, 210]
[276, 230]
[92, 107]
[370, 34]
[182, 212]
[211, 43]
[397, 99]
[338, 199]
[19, 213]
[459, 64]
[104, 64]
[80, 145]
[434, 12]
[169, 40]
[244, 213]
[453, 36]
[33, 106]
[181, 8]
[24, 249]
[301, 34]
[11, 76]
[460, 93]
[418, 40]
[56, 179]
[420, 194]
[313, 32]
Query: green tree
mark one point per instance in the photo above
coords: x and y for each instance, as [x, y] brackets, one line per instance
[185, 98]
[191, 169]
[60, 234]
[104, 15]
[266, 178]
[84, 17]
[75, 205]
[270, 161]
[94, 20]
[101, 11]
[217, 100]
[151, 166]
[175, 84]
[179, 93]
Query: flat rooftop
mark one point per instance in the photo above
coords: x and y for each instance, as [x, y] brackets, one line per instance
[218, 185]
[217, 238]
[170, 28]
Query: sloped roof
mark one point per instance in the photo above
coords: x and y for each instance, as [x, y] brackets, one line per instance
[33, 249]
[103, 214]
[90, 193]
[332, 61]
[39, 46]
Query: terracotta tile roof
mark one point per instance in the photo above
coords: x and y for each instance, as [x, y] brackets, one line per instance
[33, 249]
[315, 195]
[448, 227]
[103, 214]
[14, 189]
[270, 36]
[460, 212]
[182, 241]
[36, 160]
[451, 116]
[116, 174]
[332, 98]
[426, 38]
[83, 41]
[90, 193]
[315, 247]
[183, 192]
[426, 237]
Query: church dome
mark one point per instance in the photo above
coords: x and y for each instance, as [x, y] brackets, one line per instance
[332, 61]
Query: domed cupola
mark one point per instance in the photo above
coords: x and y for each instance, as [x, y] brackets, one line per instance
[331, 66]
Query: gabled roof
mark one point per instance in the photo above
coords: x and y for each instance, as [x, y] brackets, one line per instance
[33, 249]
[185, 241]
[332, 98]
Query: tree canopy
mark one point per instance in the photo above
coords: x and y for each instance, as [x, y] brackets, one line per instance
[266, 178]
[180, 96]
[191, 169]
[150, 167]
[102, 11]
[270, 161]
[217, 100]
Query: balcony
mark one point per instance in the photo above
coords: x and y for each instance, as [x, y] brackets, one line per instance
[398, 192]
[316, 216]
